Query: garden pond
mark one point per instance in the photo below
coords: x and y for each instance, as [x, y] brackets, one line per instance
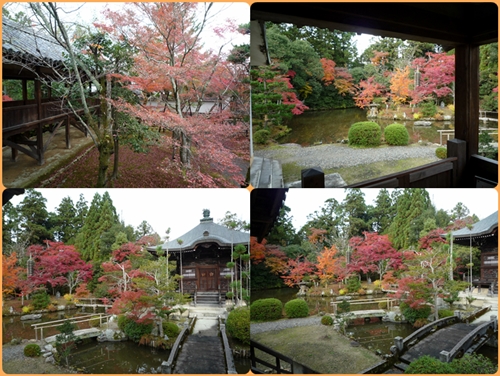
[99, 357]
[325, 127]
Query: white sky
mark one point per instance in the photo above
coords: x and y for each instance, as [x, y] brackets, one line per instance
[87, 13]
[179, 209]
[303, 202]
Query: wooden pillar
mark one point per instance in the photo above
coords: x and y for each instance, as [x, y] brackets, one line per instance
[467, 96]
[39, 133]
[313, 178]
[458, 148]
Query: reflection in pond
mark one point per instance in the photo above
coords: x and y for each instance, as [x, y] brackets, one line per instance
[332, 126]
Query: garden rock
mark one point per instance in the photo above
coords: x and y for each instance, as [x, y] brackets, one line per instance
[34, 316]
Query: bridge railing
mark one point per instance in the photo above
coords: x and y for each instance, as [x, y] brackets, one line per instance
[167, 366]
[482, 332]
[103, 318]
[402, 344]
[230, 368]
[279, 359]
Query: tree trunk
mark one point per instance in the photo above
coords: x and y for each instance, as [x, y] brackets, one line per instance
[105, 151]
[185, 150]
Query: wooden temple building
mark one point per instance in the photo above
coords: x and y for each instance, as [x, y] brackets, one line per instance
[483, 235]
[202, 255]
[463, 27]
[34, 61]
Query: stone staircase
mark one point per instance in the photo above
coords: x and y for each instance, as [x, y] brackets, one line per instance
[266, 173]
[209, 298]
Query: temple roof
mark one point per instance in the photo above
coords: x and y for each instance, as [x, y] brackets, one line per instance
[28, 46]
[485, 227]
[207, 231]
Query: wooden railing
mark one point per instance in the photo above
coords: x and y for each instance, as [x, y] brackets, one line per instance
[74, 320]
[279, 361]
[485, 171]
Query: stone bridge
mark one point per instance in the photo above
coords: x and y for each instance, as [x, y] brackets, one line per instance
[444, 339]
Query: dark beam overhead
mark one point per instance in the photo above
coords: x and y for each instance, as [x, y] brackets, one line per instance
[448, 24]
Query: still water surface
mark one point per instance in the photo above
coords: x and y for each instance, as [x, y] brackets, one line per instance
[332, 126]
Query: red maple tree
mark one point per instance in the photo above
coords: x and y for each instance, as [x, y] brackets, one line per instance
[437, 75]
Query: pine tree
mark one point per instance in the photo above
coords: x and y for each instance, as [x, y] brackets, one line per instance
[34, 217]
[64, 221]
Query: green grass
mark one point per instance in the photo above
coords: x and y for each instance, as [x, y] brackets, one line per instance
[356, 174]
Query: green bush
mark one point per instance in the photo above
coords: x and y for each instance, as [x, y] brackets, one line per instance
[364, 133]
[296, 308]
[327, 320]
[428, 364]
[238, 324]
[353, 284]
[428, 109]
[261, 136]
[396, 134]
[41, 300]
[445, 313]
[473, 363]
[171, 329]
[266, 309]
[32, 350]
[94, 321]
[441, 152]
[382, 305]
[412, 314]
[133, 330]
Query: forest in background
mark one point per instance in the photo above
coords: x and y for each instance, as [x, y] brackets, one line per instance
[318, 69]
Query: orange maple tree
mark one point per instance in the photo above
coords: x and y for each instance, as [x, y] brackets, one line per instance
[10, 274]
[327, 264]
[400, 85]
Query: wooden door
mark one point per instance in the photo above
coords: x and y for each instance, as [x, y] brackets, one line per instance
[208, 278]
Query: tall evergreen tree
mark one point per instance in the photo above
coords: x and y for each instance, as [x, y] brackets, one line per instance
[383, 212]
[413, 207]
[64, 221]
[34, 217]
[100, 218]
[283, 233]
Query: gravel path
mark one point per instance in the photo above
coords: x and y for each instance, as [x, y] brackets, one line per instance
[269, 326]
[337, 155]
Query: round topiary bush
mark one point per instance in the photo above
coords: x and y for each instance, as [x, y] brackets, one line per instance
[365, 133]
[238, 324]
[261, 136]
[327, 320]
[441, 153]
[428, 364]
[396, 134]
[296, 308]
[266, 309]
[32, 350]
[171, 329]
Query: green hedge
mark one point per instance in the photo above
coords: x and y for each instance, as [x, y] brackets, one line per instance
[238, 324]
[296, 308]
[266, 309]
[365, 133]
[396, 134]
[171, 329]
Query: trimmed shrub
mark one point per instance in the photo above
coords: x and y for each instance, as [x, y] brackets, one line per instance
[441, 152]
[396, 134]
[261, 136]
[342, 292]
[428, 109]
[171, 329]
[41, 300]
[420, 323]
[412, 314]
[327, 320]
[362, 292]
[365, 133]
[266, 309]
[353, 284]
[296, 308]
[238, 324]
[428, 364]
[133, 330]
[32, 350]
[382, 305]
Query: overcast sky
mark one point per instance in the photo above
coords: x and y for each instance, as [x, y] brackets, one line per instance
[303, 202]
[179, 209]
[89, 12]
